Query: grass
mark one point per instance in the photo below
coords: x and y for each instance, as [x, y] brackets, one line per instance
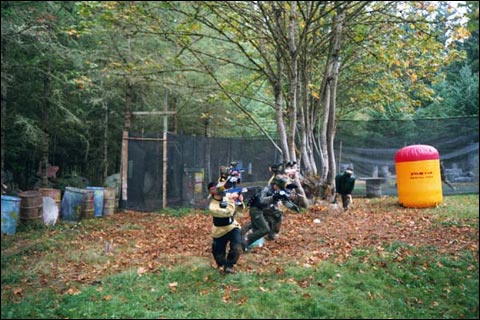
[424, 286]
[396, 281]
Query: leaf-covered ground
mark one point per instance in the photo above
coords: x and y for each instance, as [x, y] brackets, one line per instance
[147, 242]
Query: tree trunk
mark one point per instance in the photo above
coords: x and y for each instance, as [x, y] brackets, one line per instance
[105, 143]
[4, 115]
[335, 59]
[324, 127]
[4, 89]
[293, 83]
[45, 124]
[126, 129]
[277, 88]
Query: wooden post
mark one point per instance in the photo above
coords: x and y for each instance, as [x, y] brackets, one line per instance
[165, 114]
[165, 128]
[124, 165]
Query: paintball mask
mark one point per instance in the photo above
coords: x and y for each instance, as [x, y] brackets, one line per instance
[290, 164]
[217, 191]
[276, 168]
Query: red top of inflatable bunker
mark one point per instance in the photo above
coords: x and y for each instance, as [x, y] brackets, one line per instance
[416, 152]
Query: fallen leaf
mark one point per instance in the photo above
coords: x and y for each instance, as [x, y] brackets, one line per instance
[242, 300]
[17, 291]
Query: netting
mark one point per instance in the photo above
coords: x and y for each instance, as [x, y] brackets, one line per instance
[367, 146]
[370, 147]
[192, 162]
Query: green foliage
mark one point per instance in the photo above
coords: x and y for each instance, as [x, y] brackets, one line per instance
[71, 181]
[456, 97]
[472, 9]
[95, 53]
[37, 59]
[398, 74]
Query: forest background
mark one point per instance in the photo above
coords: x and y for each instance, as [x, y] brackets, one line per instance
[74, 73]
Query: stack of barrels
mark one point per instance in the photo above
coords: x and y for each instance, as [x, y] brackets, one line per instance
[76, 204]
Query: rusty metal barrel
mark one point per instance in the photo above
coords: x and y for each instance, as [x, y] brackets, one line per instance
[31, 207]
[88, 206]
[109, 201]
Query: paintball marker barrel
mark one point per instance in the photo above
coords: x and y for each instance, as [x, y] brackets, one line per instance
[242, 190]
[291, 205]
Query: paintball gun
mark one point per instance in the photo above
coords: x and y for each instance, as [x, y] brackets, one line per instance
[290, 205]
[239, 191]
[242, 189]
[281, 195]
[284, 197]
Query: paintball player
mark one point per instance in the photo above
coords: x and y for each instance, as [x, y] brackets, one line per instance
[291, 174]
[344, 184]
[225, 230]
[230, 173]
[233, 167]
[287, 171]
[233, 176]
[265, 213]
[281, 197]
[231, 170]
[291, 170]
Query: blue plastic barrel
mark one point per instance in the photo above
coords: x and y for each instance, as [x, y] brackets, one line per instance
[10, 214]
[72, 204]
[98, 200]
